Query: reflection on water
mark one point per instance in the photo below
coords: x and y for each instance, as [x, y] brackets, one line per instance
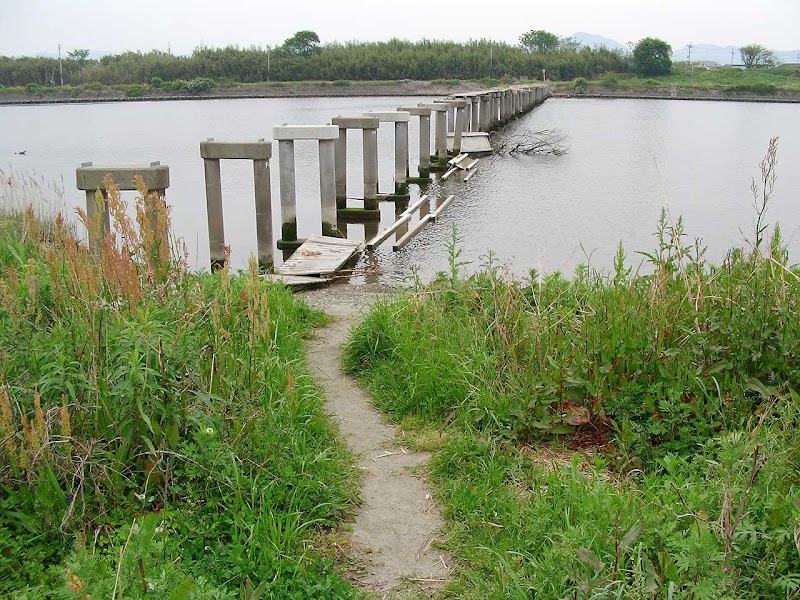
[626, 160]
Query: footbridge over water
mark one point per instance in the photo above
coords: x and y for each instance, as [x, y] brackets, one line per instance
[458, 127]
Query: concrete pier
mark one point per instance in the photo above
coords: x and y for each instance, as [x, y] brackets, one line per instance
[90, 179]
[440, 138]
[326, 136]
[424, 114]
[400, 120]
[459, 105]
[260, 153]
[369, 131]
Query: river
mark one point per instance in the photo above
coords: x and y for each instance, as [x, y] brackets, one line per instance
[625, 160]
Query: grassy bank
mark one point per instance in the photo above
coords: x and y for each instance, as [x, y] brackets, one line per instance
[208, 89]
[612, 435]
[160, 435]
[724, 83]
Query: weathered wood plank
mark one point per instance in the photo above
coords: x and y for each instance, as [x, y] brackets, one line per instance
[319, 255]
[441, 207]
[413, 208]
[296, 282]
[383, 235]
[403, 241]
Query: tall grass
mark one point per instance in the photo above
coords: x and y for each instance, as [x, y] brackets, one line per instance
[690, 370]
[159, 431]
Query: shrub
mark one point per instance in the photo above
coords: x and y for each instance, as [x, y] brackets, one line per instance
[609, 80]
[33, 88]
[156, 82]
[135, 90]
[199, 84]
[753, 88]
[174, 85]
[580, 85]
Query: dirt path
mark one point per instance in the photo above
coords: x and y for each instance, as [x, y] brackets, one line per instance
[397, 521]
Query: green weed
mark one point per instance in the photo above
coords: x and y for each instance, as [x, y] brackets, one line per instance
[159, 432]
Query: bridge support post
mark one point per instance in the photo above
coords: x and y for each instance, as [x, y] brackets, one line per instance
[341, 168]
[400, 119]
[326, 137]
[369, 130]
[424, 114]
[89, 179]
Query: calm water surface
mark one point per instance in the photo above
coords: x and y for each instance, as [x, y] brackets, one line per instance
[626, 159]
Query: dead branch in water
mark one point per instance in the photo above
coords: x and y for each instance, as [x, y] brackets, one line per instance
[544, 141]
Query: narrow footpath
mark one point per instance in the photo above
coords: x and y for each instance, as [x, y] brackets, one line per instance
[397, 522]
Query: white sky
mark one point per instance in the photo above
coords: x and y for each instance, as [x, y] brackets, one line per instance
[34, 26]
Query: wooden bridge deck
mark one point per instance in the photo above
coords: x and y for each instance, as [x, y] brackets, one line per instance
[319, 256]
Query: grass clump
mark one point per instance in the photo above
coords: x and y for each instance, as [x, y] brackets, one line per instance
[669, 400]
[160, 435]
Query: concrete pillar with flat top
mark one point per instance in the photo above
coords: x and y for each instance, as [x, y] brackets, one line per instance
[369, 129]
[424, 114]
[400, 119]
[326, 136]
[475, 120]
[259, 152]
[440, 137]
[459, 105]
[90, 179]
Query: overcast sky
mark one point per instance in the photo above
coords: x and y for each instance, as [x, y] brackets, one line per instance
[34, 26]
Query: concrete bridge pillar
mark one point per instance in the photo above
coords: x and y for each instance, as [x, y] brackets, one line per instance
[451, 121]
[485, 101]
[370, 143]
[400, 120]
[459, 105]
[475, 121]
[327, 185]
[259, 152]
[441, 110]
[326, 137]
[424, 113]
[369, 128]
[90, 179]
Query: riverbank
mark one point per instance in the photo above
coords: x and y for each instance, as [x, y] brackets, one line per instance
[377, 89]
[306, 89]
[610, 435]
[703, 95]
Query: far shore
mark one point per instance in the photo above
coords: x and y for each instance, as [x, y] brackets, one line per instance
[376, 89]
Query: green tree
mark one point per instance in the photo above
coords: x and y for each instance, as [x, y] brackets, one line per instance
[754, 55]
[569, 44]
[651, 56]
[79, 54]
[540, 41]
[302, 43]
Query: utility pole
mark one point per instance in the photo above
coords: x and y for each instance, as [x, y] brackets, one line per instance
[268, 49]
[491, 60]
[60, 70]
[732, 51]
[691, 66]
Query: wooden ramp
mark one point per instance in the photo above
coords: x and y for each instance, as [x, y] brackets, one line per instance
[320, 256]
[472, 142]
[296, 282]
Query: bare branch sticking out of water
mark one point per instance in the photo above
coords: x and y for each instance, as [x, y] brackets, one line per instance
[544, 141]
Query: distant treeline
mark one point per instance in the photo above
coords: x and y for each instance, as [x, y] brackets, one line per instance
[358, 61]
